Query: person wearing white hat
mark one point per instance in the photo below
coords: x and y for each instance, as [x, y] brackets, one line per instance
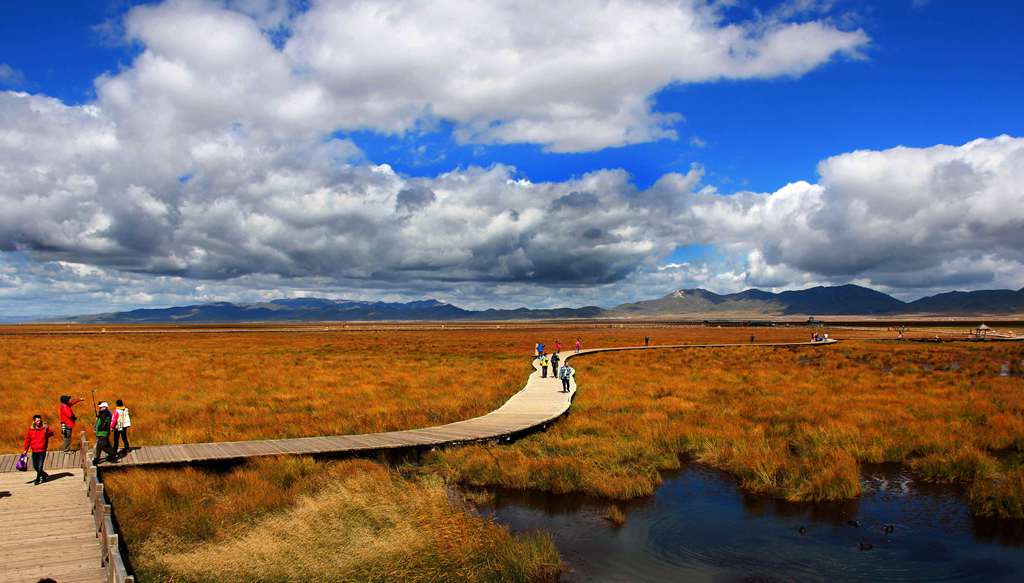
[102, 429]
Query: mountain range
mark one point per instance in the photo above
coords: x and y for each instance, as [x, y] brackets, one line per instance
[846, 300]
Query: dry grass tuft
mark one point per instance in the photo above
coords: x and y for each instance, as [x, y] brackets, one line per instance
[615, 515]
[339, 521]
[1000, 496]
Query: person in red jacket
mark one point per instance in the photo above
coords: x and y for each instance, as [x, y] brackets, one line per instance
[67, 420]
[37, 438]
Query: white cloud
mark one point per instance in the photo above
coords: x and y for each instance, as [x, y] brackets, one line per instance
[572, 76]
[905, 217]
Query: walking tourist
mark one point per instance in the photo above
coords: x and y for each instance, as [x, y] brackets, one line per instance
[37, 438]
[554, 364]
[752, 338]
[104, 421]
[67, 420]
[122, 421]
[565, 374]
[544, 366]
[578, 345]
[647, 340]
[558, 346]
[540, 349]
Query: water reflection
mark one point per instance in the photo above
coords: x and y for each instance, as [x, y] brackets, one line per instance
[699, 527]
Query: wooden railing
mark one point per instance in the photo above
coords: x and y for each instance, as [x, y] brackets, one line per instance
[110, 544]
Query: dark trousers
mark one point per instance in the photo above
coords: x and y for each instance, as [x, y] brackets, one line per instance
[66, 432]
[565, 385]
[38, 459]
[122, 435]
[103, 445]
[543, 372]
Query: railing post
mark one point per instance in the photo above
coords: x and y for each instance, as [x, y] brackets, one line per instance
[83, 452]
[97, 505]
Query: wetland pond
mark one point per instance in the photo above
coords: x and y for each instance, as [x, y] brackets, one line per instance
[698, 526]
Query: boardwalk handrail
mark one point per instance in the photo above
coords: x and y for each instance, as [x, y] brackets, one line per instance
[102, 512]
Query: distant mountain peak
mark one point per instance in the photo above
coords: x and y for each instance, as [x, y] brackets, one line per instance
[849, 299]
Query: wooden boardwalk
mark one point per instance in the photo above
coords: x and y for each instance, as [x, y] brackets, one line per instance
[48, 530]
[537, 404]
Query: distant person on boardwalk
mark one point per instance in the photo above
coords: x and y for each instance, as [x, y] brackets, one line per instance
[752, 338]
[37, 438]
[544, 366]
[647, 340]
[122, 421]
[554, 364]
[558, 346]
[67, 420]
[540, 349]
[104, 421]
[565, 373]
[578, 345]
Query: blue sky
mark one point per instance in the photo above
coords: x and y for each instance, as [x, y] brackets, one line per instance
[889, 73]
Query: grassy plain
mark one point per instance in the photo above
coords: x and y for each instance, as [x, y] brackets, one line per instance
[295, 519]
[791, 423]
[224, 386]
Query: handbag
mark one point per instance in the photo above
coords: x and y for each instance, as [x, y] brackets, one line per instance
[22, 465]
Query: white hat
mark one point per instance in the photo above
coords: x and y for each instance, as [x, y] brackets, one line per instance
[104, 404]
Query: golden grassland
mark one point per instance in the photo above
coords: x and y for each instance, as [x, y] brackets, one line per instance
[788, 422]
[227, 386]
[295, 519]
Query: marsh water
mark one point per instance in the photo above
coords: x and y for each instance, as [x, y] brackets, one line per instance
[699, 527]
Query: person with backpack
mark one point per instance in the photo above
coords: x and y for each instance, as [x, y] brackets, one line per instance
[104, 421]
[544, 362]
[565, 373]
[67, 420]
[122, 421]
[37, 438]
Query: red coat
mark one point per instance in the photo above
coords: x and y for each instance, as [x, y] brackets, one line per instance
[38, 439]
[67, 416]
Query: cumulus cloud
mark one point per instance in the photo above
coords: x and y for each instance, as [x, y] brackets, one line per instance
[572, 76]
[220, 206]
[943, 216]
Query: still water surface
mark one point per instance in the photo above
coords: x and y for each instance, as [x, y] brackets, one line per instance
[699, 527]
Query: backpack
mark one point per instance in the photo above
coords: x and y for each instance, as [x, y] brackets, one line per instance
[103, 419]
[565, 372]
[124, 419]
